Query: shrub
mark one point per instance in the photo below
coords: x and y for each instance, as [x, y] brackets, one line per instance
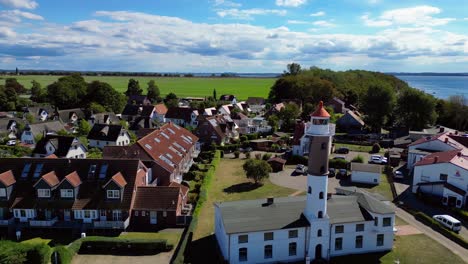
[358, 159]
[192, 198]
[338, 163]
[441, 229]
[236, 154]
[296, 159]
[243, 138]
[266, 156]
[257, 170]
[248, 154]
[375, 148]
[119, 246]
[65, 255]
[258, 156]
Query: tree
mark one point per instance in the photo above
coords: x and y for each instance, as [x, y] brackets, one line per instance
[103, 94]
[257, 170]
[13, 83]
[153, 91]
[12, 98]
[415, 109]
[171, 100]
[453, 112]
[96, 108]
[68, 92]
[214, 94]
[273, 121]
[133, 88]
[94, 153]
[377, 105]
[293, 69]
[37, 94]
[83, 128]
[289, 114]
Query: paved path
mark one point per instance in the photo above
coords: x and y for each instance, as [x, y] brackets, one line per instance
[406, 230]
[449, 244]
[287, 178]
[101, 259]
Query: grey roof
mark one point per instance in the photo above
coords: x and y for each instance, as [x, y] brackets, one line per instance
[355, 166]
[48, 127]
[345, 209]
[251, 215]
[370, 201]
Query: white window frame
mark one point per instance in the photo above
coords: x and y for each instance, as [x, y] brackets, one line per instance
[3, 192]
[43, 193]
[113, 194]
[66, 193]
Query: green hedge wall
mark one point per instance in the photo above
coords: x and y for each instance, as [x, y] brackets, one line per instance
[441, 229]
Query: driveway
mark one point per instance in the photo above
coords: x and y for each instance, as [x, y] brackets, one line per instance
[288, 178]
[352, 154]
[101, 259]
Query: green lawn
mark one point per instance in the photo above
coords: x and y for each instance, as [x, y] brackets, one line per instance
[353, 147]
[229, 184]
[399, 221]
[197, 87]
[171, 235]
[37, 240]
[414, 249]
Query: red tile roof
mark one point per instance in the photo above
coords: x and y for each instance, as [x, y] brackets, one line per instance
[51, 156]
[453, 156]
[320, 111]
[7, 178]
[50, 178]
[157, 198]
[160, 109]
[73, 179]
[119, 179]
[183, 188]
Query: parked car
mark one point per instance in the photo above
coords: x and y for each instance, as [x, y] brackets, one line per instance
[343, 172]
[331, 172]
[378, 159]
[342, 150]
[248, 149]
[398, 175]
[11, 142]
[301, 169]
[449, 222]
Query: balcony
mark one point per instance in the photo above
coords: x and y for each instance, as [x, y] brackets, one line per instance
[5, 222]
[43, 223]
[111, 224]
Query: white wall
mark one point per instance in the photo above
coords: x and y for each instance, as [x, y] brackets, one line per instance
[27, 138]
[365, 177]
[256, 244]
[431, 173]
[220, 234]
[77, 152]
[434, 145]
[121, 141]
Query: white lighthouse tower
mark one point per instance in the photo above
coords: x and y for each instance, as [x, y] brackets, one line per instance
[320, 137]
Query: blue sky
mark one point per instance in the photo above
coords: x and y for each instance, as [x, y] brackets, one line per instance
[234, 36]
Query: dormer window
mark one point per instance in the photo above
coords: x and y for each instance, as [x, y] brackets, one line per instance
[3, 192]
[26, 169]
[92, 170]
[103, 171]
[43, 193]
[66, 193]
[113, 194]
[38, 170]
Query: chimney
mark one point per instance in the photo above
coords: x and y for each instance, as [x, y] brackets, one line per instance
[459, 154]
[441, 129]
[270, 200]
[446, 140]
[436, 159]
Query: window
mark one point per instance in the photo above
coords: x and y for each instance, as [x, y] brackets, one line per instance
[66, 193]
[38, 170]
[293, 233]
[338, 243]
[339, 229]
[358, 241]
[113, 194]
[26, 169]
[268, 251]
[387, 221]
[443, 177]
[103, 171]
[319, 233]
[321, 195]
[143, 213]
[2, 192]
[136, 213]
[309, 190]
[376, 221]
[320, 214]
[380, 240]
[43, 193]
[324, 146]
[92, 170]
[268, 236]
[243, 239]
[242, 254]
[359, 227]
[293, 249]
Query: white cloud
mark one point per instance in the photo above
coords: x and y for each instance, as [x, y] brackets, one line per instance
[317, 14]
[323, 23]
[290, 3]
[298, 22]
[247, 14]
[418, 16]
[6, 33]
[28, 4]
[17, 15]
[226, 3]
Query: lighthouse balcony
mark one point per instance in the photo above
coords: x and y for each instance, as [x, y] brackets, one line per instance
[317, 130]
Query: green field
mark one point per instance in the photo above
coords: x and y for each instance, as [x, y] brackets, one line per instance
[196, 87]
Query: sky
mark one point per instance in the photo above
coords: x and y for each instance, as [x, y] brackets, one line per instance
[256, 36]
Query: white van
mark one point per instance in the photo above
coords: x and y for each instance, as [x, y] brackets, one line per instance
[449, 222]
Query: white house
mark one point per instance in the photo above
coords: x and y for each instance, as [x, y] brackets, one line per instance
[443, 174]
[365, 173]
[311, 227]
[160, 111]
[183, 116]
[61, 146]
[31, 131]
[427, 145]
[256, 104]
[108, 135]
[253, 125]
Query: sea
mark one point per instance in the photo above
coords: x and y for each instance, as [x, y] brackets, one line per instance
[439, 86]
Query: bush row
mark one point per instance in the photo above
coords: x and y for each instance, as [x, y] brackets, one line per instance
[13, 252]
[441, 229]
[179, 258]
[121, 246]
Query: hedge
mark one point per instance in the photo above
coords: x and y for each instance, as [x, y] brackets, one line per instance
[203, 196]
[13, 252]
[123, 246]
[296, 159]
[441, 229]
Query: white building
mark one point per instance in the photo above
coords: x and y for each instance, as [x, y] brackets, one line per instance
[61, 146]
[427, 145]
[443, 174]
[365, 173]
[309, 227]
[102, 135]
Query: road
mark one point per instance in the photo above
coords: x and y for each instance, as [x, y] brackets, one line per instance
[449, 244]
